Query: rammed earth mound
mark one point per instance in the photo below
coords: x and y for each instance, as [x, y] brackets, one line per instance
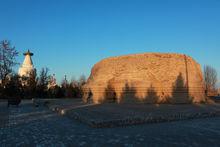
[148, 78]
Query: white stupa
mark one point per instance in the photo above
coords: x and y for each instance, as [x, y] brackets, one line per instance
[27, 67]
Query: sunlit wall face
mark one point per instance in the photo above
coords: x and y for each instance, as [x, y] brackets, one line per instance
[148, 78]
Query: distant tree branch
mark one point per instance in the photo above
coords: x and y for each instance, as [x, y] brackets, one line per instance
[210, 77]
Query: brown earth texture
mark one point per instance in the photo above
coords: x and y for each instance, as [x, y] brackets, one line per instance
[148, 78]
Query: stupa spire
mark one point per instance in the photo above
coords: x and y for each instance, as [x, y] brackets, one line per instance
[28, 53]
[27, 67]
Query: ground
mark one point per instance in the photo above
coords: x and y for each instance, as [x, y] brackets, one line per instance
[39, 126]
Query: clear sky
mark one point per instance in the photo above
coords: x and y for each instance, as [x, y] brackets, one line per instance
[70, 36]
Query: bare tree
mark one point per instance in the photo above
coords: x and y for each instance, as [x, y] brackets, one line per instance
[43, 81]
[82, 80]
[210, 77]
[7, 59]
[74, 82]
[43, 77]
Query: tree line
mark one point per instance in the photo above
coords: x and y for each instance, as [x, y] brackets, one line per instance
[38, 87]
[11, 85]
[33, 86]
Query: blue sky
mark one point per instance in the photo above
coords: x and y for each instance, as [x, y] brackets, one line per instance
[70, 36]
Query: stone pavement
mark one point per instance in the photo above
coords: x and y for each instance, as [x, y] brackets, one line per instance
[4, 114]
[31, 126]
[114, 115]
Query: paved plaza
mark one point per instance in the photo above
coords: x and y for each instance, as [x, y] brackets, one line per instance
[117, 115]
[39, 126]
